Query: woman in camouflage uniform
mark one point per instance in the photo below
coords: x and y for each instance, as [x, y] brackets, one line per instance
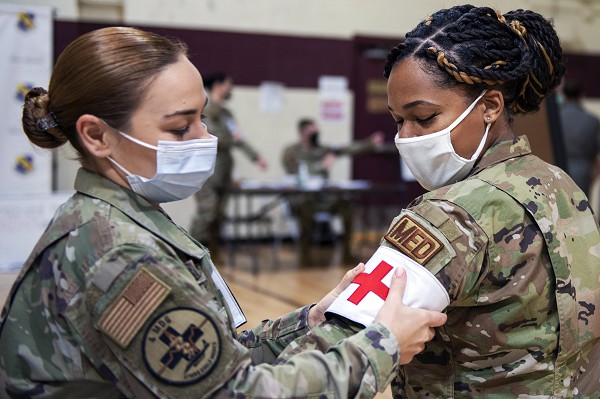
[511, 238]
[117, 301]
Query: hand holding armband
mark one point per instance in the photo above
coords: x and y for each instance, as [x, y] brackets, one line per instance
[363, 298]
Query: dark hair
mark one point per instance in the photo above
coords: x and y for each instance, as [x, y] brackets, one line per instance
[475, 48]
[304, 122]
[573, 89]
[216, 77]
[102, 73]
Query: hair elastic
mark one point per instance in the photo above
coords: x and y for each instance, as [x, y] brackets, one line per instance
[47, 122]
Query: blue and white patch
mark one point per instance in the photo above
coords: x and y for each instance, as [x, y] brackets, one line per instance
[181, 346]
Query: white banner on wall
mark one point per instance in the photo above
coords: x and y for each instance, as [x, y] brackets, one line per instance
[333, 99]
[26, 34]
[23, 219]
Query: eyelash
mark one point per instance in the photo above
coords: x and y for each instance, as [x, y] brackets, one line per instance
[181, 132]
[427, 120]
[422, 122]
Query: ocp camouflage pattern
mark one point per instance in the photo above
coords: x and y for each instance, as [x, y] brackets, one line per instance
[102, 247]
[521, 263]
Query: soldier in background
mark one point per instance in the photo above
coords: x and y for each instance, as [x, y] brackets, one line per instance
[510, 238]
[581, 134]
[211, 200]
[317, 159]
[116, 300]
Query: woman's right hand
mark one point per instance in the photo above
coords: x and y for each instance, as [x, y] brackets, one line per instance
[412, 327]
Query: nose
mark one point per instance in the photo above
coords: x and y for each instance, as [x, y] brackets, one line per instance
[405, 133]
[204, 133]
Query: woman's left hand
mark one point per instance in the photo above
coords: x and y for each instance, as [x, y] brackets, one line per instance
[316, 314]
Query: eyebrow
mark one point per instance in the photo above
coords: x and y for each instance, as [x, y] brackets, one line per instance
[413, 104]
[186, 111]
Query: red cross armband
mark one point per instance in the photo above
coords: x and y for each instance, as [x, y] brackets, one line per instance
[363, 298]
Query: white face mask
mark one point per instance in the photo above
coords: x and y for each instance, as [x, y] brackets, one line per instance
[432, 159]
[182, 168]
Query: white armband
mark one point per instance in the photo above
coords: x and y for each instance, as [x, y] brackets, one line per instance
[363, 298]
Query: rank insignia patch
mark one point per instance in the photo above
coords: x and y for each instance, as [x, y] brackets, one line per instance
[413, 240]
[134, 305]
[181, 346]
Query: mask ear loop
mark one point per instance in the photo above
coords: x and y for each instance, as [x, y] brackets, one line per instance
[128, 173]
[484, 138]
[130, 138]
[460, 119]
[482, 143]
[466, 112]
[138, 141]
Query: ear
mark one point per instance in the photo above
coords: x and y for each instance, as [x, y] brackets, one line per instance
[95, 135]
[493, 101]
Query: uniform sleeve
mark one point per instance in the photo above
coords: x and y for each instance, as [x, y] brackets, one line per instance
[332, 361]
[290, 161]
[247, 149]
[225, 122]
[355, 148]
[156, 329]
[217, 126]
[267, 340]
[443, 238]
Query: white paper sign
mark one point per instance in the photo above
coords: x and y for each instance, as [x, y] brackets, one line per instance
[23, 219]
[271, 97]
[333, 98]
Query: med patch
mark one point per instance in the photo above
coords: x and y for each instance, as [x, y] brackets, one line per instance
[413, 240]
[181, 346]
[125, 316]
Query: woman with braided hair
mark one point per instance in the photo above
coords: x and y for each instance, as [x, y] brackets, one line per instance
[510, 238]
[518, 249]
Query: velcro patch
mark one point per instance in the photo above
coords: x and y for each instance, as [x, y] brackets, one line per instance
[128, 312]
[413, 240]
[181, 346]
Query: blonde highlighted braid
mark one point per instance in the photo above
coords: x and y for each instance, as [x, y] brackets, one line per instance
[517, 53]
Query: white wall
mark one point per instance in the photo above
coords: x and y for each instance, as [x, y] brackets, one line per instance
[577, 21]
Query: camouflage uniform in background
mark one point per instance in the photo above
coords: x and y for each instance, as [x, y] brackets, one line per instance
[304, 206]
[211, 200]
[117, 301]
[518, 249]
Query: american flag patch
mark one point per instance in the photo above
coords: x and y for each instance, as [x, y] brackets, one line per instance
[128, 312]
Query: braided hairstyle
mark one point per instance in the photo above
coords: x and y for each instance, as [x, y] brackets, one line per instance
[477, 48]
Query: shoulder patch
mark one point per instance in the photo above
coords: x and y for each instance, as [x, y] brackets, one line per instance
[413, 240]
[128, 312]
[181, 346]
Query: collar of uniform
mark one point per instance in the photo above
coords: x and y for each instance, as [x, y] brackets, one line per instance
[502, 151]
[137, 208]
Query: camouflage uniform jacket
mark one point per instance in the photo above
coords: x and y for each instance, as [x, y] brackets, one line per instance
[221, 123]
[118, 301]
[296, 153]
[518, 249]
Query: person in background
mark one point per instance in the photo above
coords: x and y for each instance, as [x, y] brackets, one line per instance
[309, 156]
[510, 238]
[116, 300]
[211, 200]
[581, 132]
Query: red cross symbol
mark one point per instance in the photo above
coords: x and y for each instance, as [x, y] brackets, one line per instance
[371, 282]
